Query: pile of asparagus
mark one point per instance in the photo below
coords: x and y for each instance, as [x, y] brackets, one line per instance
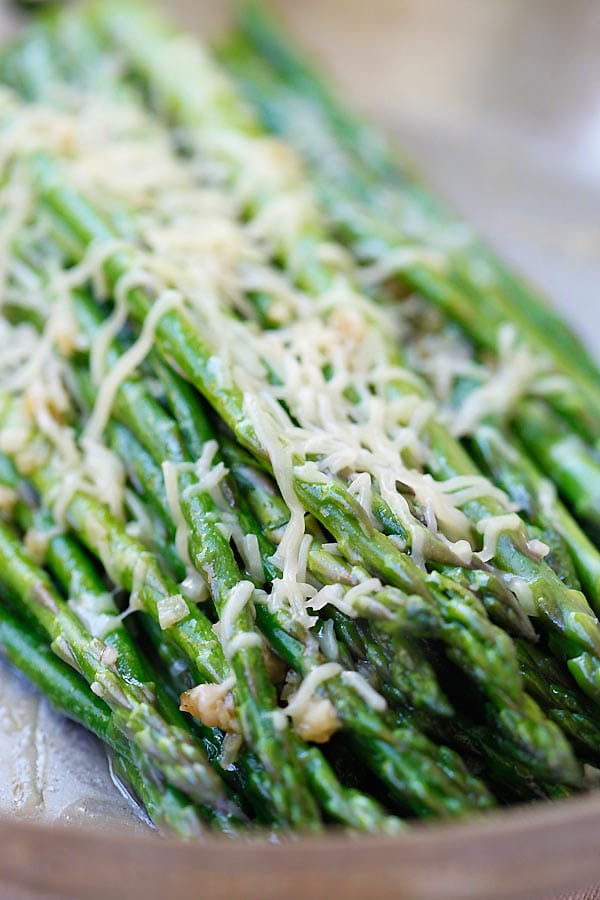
[299, 486]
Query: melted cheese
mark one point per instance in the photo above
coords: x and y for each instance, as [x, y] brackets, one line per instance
[234, 606]
[317, 676]
[323, 389]
[171, 609]
[492, 528]
[364, 690]
[537, 549]
[127, 364]
[96, 612]
[522, 591]
[314, 718]
[193, 586]
[250, 552]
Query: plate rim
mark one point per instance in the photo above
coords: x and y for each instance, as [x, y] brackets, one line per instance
[526, 852]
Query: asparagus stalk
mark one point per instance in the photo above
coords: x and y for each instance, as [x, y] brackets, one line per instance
[106, 537]
[362, 158]
[569, 610]
[282, 639]
[142, 57]
[478, 648]
[69, 694]
[409, 575]
[170, 748]
[523, 482]
[79, 578]
[297, 654]
[483, 651]
[359, 720]
[69, 564]
[210, 550]
[273, 514]
[161, 428]
[557, 607]
[480, 309]
[156, 430]
[402, 573]
[349, 807]
[354, 717]
[574, 470]
[559, 696]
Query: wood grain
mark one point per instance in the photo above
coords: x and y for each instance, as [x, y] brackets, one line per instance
[525, 854]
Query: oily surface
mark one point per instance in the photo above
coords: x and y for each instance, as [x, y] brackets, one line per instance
[50, 769]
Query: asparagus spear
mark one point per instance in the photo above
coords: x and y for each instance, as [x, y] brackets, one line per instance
[556, 606]
[483, 651]
[511, 468]
[283, 641]
[448, 452]
[358, 158]
[69, 694]
[156, 430]
[80, 580]
[559, 696]
[142, 53]
[349, 807]
[363, 720]
[70, 565]
[122, 557]
[453, 800]
[258, 450]
[411, 575]
[469, 637]
[138, 421]
[574, 471]
[413, 672]
[170, 748]
[371, 149]
[480, 309]
[453, 603]
[210, 550]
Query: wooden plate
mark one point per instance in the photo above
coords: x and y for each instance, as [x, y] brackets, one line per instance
[522, 855]
[466, 87]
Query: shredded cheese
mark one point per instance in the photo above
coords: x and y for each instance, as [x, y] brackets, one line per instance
[171, 610]
[322, 388]
[314, 718]
[365, 690]
[236, 603]
[317, 676]
[492, 528]
[127, 364]
[193, 586]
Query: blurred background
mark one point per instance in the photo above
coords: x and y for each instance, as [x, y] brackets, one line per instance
[499, 103]
[497, 100]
